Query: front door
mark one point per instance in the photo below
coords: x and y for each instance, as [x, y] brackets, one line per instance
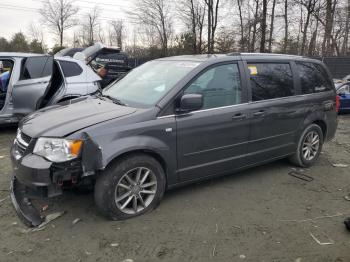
[214, 139]
[33, 82]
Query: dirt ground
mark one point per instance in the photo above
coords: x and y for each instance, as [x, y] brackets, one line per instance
[262, 214]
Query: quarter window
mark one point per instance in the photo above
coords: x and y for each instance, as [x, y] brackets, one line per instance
[220, 86]
[70, 69]
[270, 80]
[313, 78]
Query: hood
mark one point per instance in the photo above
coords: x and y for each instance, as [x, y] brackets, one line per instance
[61, 120]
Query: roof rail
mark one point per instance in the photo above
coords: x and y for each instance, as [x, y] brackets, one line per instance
[234, 54]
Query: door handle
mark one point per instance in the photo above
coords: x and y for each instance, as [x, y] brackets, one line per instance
[259, 113]
[239, 116]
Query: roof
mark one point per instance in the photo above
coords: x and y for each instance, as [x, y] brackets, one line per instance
[199, 58]
[246, 56]
[17, 54]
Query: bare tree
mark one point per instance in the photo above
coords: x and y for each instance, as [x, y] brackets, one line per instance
[117, 32]
[59, 16]
[36, 34]
[90, 26]
[212, 18]
[285, 16]
[263, 26]
[255, 23]
[239, 3]
[310, 9]
[193, 12]
[272, 24]
[346, 33]
[156, 14]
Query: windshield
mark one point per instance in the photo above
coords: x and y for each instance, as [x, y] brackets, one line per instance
[147, 84]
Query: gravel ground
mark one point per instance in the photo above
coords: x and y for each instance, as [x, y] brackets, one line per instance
[262, 214]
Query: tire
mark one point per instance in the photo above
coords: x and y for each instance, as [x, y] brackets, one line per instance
[299, 158]
[116, 185]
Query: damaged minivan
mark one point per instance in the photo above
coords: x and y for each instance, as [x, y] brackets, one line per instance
[170, 122]
[29, 82]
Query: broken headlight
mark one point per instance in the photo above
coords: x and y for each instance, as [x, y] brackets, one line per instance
[57, 149]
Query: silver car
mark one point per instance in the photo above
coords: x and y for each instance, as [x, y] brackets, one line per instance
[29, 82]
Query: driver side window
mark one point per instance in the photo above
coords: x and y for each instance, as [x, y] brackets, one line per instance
[220, 86]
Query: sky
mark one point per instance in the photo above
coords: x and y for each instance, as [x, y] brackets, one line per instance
[17, 15]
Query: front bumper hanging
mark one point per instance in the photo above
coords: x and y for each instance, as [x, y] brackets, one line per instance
[23, 205]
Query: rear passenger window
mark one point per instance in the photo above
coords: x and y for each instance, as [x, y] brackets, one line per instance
[36, 67]
[313, 78]
[70, 68]
[270, 80]
[220, 86]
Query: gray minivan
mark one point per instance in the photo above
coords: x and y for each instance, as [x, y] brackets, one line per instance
[170, 122]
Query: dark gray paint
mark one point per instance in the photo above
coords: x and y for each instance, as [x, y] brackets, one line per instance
[197, 144]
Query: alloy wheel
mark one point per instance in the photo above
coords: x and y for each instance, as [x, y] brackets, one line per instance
[135, 190]
[311, 145]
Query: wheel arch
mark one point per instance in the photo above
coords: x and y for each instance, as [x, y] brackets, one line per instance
[318, 118]
[140, 151]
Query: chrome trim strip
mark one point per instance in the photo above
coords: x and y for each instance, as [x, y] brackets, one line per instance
[250, 102]
[21, 141]
[167, 116]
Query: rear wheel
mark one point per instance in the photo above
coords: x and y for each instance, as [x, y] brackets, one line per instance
[130, 187]
[309, 146]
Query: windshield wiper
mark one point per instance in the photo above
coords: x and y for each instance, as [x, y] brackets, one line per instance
[114, 100]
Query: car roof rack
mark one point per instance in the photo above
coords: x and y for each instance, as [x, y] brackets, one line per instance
[234, 54]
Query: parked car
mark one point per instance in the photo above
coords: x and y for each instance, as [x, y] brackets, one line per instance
[343, 92]
[174, 121]
[111, 59]
[36, 81]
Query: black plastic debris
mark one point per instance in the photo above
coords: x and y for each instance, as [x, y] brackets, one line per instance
[347, 223]
[301, 176]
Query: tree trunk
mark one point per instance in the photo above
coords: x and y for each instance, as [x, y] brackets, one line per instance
[194, 28]
[241, 24]
[344, 48]
[252, 48]
[263, 27]
[210, 6]
[326, 43]
[306, 25]
[271, 26]
[286, 26]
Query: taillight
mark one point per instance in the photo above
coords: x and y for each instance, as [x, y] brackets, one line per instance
[337, 103]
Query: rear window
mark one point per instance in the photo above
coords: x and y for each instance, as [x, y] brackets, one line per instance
[313, 78]
[70, 69]
[270, 80]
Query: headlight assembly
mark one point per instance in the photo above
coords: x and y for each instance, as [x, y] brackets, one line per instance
[57, 149]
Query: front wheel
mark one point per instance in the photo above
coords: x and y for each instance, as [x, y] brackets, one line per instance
[130, 187]
[309, 147]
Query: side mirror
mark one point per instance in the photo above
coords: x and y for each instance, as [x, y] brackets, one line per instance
[191, 102]
[341, 93]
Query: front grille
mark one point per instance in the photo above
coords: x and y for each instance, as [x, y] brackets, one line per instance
[22, 142]
[21, 148]
[25, 138]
